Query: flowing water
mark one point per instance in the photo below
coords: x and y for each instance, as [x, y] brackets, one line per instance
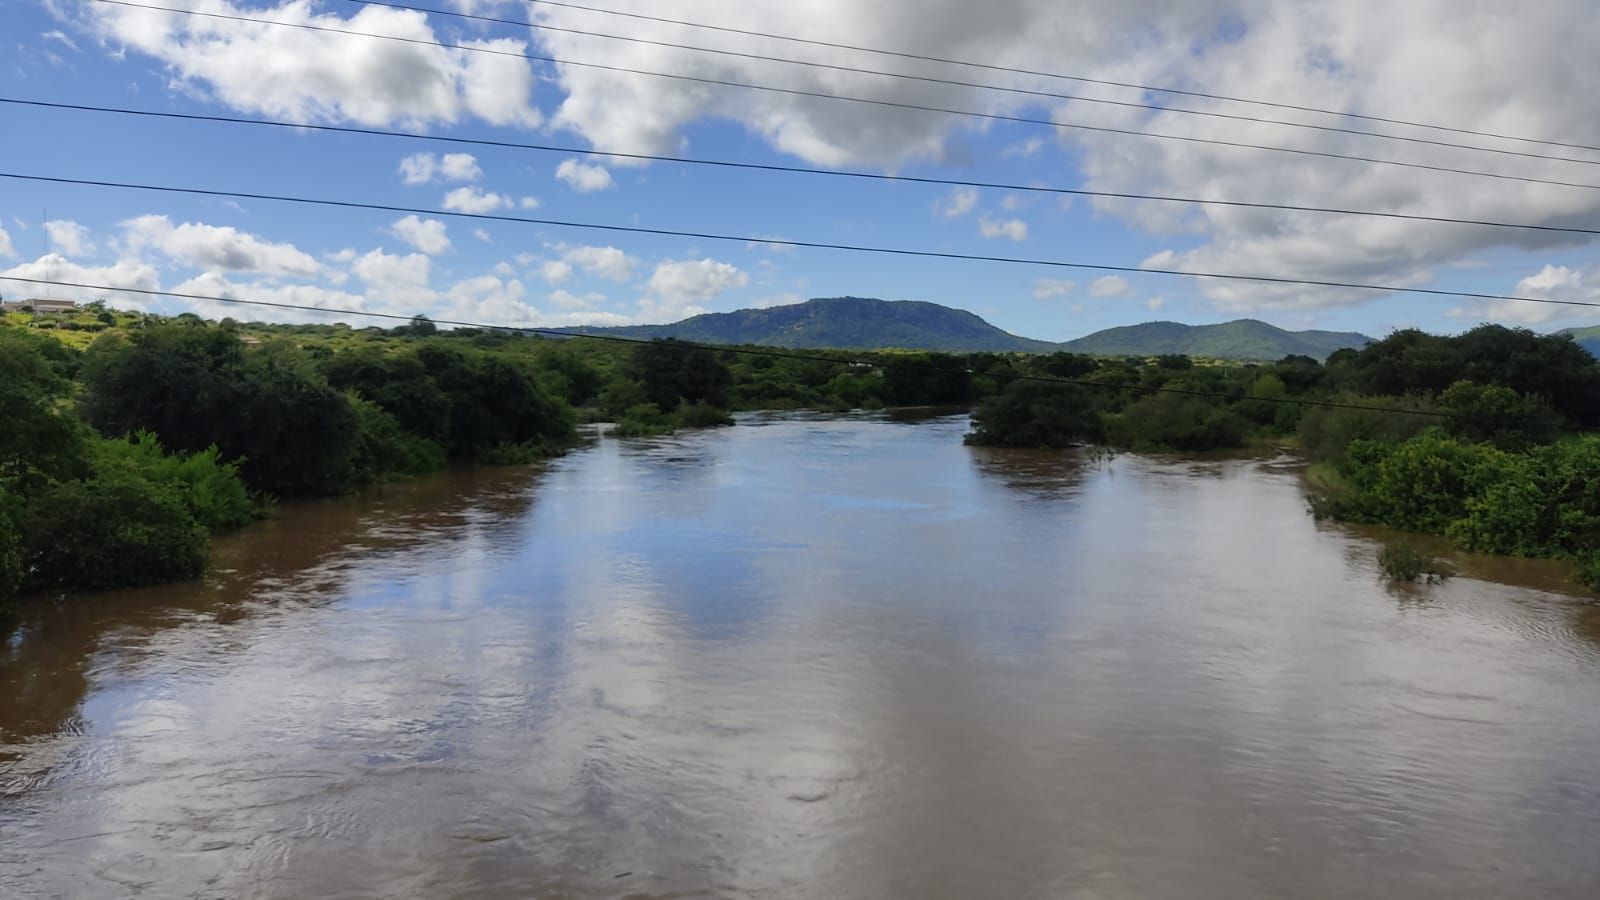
[830, 657]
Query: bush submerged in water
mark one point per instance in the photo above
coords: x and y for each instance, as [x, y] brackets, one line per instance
[1400, 561]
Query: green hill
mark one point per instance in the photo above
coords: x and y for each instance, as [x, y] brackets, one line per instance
[1587, 338]
[858, 323]
[1239, 339]
[846, 323]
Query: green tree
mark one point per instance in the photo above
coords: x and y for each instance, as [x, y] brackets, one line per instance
[39, 439]
[673, 372]
[1037, 414]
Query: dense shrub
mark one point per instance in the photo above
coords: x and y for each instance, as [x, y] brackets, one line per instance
[701, 415]
[208, 487]
[1176, 422]
[383, 447]
[1037, 414]
[1589, 569]
[10, 551]
[642, 420]
[1498, 415]
[89, 535]
[1423, 484]
[1400, 561]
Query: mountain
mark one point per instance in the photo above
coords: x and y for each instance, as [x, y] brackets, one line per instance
[845, 323]
[1587, 338]
[859, 323]
[1239, 339]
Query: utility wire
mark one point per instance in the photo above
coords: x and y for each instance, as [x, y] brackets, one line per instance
[1058, 75]
[895, 104]
[799, 170]
[953, 82]
[789, 242]
[746, 351]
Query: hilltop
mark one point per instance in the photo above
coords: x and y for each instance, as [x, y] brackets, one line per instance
[858, 323]
[1239, 339]
[1587, 338]
[844, 323]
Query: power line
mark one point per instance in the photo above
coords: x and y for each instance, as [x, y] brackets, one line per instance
[1060, 76]
[746, 351]
[810, 245]
[799, 170]
[1334, 129]
[894, 104]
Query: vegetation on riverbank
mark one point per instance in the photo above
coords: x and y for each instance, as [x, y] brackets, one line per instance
[1487, 437]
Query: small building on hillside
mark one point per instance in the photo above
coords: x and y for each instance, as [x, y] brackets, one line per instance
[40, 305]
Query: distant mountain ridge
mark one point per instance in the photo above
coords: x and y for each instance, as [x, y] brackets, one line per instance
[860, 323]
[1239, 339]
[1587, 338]
[843, 323]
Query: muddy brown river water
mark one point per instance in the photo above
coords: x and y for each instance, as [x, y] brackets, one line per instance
[812, 657]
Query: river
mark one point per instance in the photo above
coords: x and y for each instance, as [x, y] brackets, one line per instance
[809, 656]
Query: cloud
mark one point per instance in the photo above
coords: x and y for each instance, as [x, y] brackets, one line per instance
[1026, 149]
[1432, 60]
[1550, 282]
[311, 76]
[427, 235]
[1010, 229]
[474, 200]
[1110, 286]
[421, 168]
[400, 283]
[483, 235]
[491, 301]
[555, 271]
[569, 300]
[216, 284]
[606, 262]
[218, 247]
[1045, 288]
[125, 273]
[6, 250]
[1154, 304]
[583, 177]
[69, 237]
[59, 37]
[529, 203]
[677, 287]
[961, 201]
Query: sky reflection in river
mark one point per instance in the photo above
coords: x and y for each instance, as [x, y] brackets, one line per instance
[807, 657]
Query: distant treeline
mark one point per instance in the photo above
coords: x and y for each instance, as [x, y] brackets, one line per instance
[125, 451]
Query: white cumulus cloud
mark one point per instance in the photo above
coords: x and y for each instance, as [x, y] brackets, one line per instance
[606, 262]
[960, 201]
[69, 237]
[219, 247]
[1109, 286]
[584, 177]
[474, 200]
[427, 235]
[1045, 288]
[311, 76]
[1010, 229]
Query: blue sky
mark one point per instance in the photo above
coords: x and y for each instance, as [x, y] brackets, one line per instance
[512, 273]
